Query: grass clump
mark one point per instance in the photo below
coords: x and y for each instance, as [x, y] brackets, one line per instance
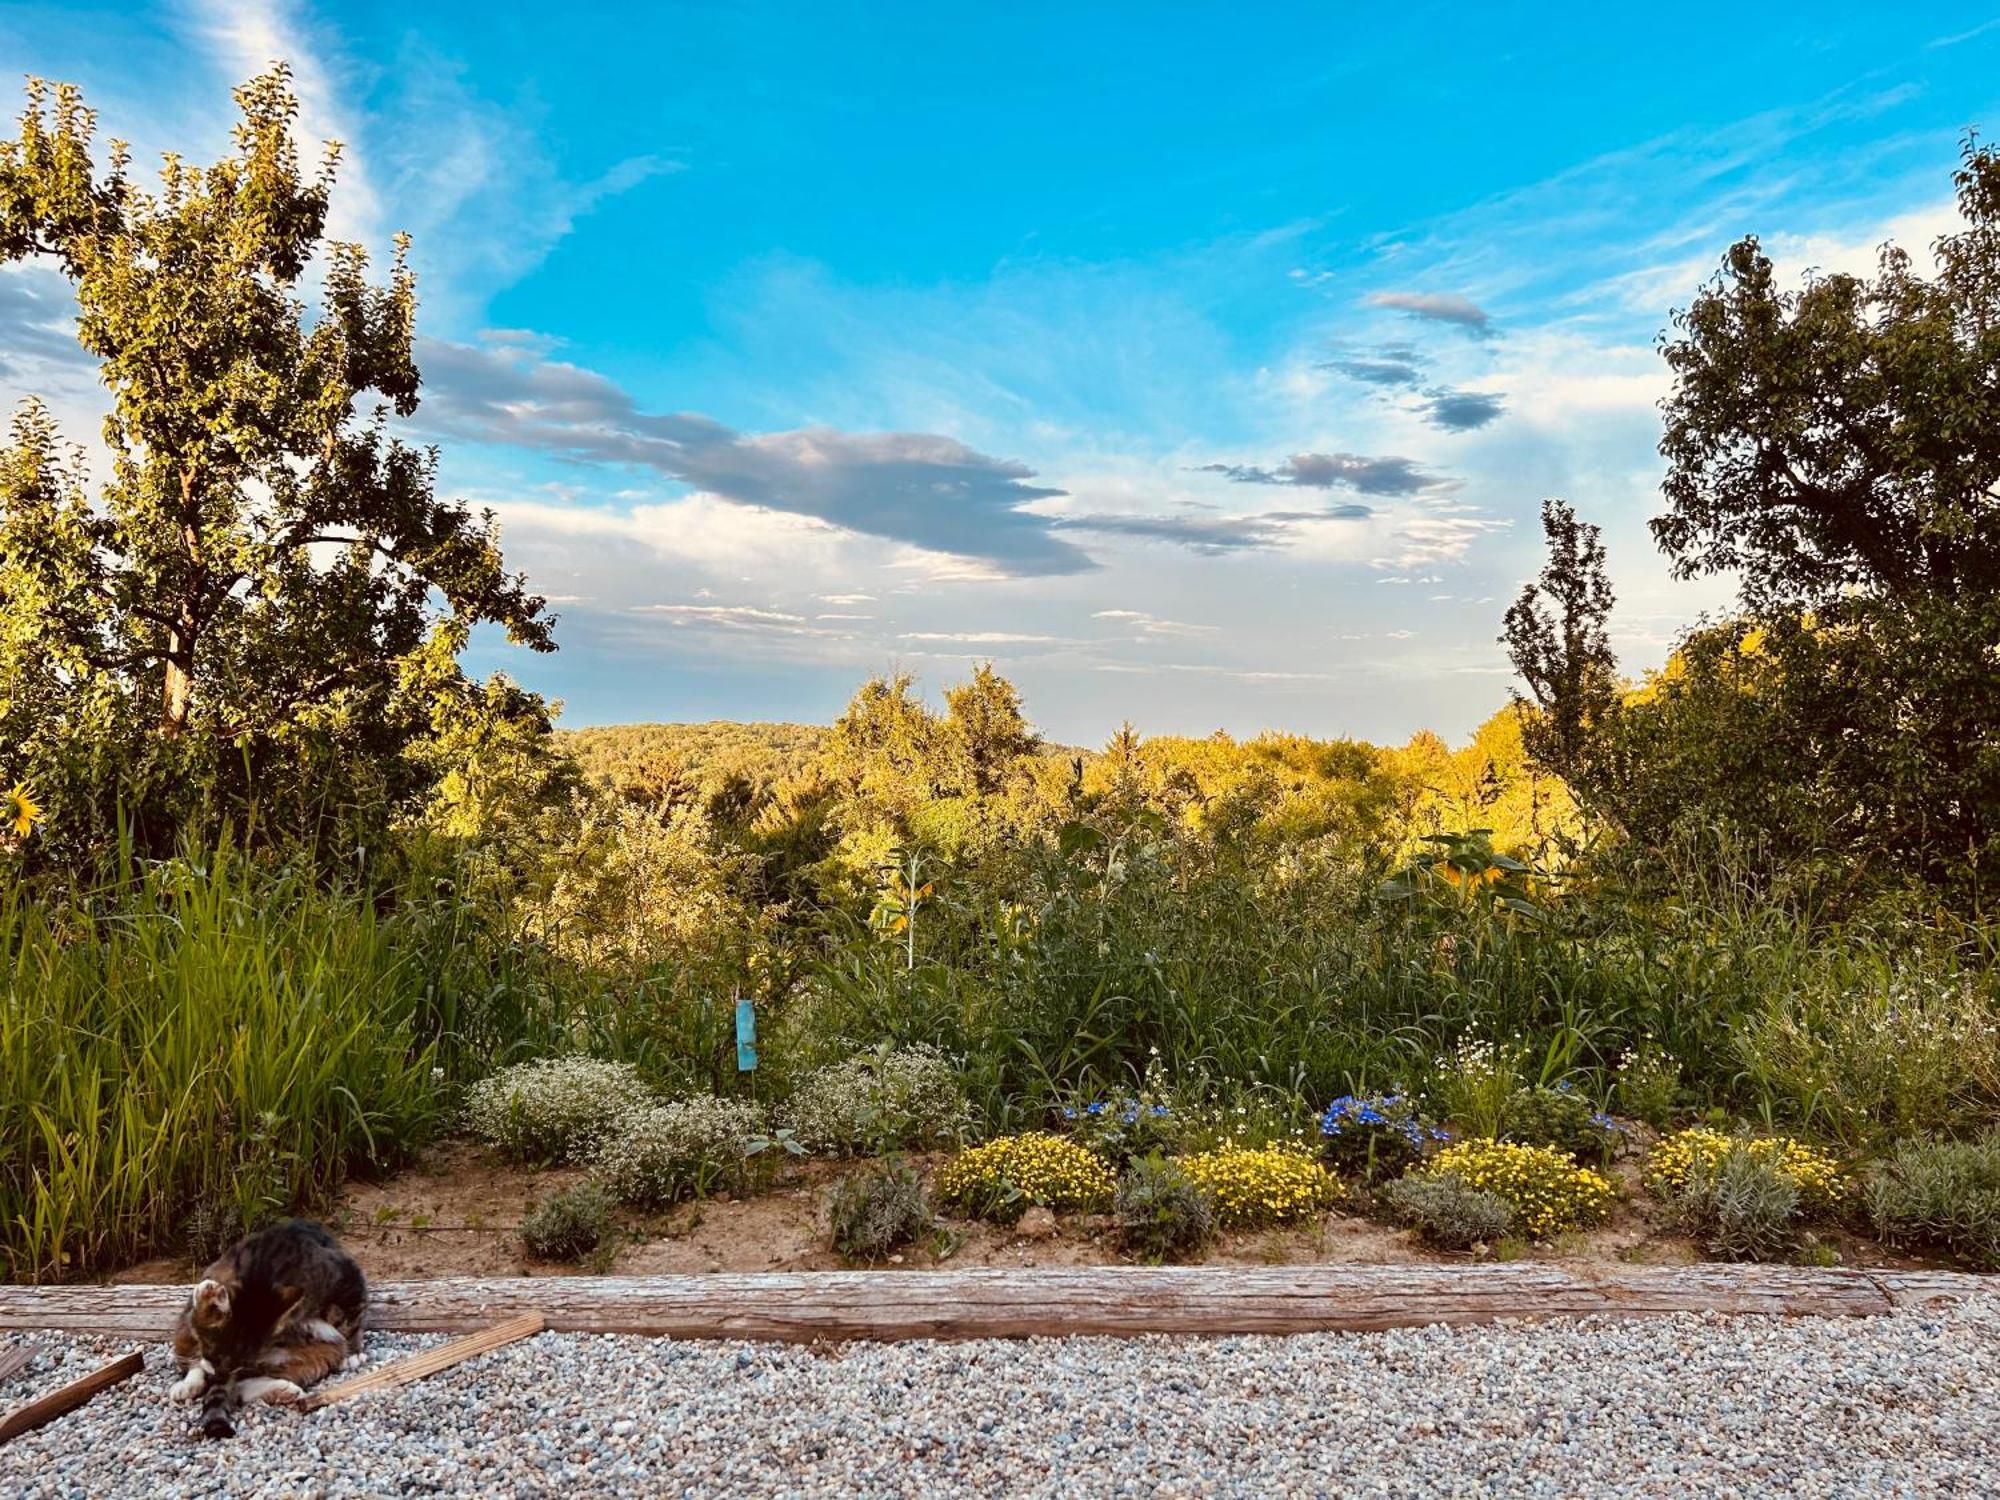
[885, 1100]
[658, 1154]
[1448, 1211]
[1677, 1161]
[1547, 1191]
[1254, 1186]
[1001, 1178]
[1941, 1194]
[568, 1225]
[878, 1210]
[1162, 1212]
[554, 1108]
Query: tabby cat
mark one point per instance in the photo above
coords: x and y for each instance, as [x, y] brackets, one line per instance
[279, 1312]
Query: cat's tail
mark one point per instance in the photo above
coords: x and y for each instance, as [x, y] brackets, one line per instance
[217, 1407]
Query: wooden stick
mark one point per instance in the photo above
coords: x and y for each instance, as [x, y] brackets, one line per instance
[807, 1305]
[14, 1361]
[71, 1396]
[417, 1366]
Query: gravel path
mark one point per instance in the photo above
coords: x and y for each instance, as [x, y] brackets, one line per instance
[1717, 1407]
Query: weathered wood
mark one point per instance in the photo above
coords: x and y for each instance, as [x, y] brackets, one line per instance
[40, 1412]
[14, 1361]
[417, 1366]
[804, 1306]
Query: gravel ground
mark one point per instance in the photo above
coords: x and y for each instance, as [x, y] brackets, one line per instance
[1901, 1405]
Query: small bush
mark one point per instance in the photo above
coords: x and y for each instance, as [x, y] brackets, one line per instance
[879, 1101]
[1474, 1084]
[1162, 1213]
[1001, 1178]
[1562, 1118]
[1448, 1211]
[1256, 1186]
[1742, 1206]
[879, 1209]
[1374, 1136]
[1648, 1084]
[568, 1225]
[660, 1153]
[1943, 1194]
[552, 1109]
[1124, 1129]
[1676, 1161]
[1547, 1191]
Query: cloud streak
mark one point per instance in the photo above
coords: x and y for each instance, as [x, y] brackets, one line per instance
[1438, 307]
[928, 491]
[1387, 476]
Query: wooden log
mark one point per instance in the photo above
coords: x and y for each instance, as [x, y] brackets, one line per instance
[417, 1366]
[14, 1361]
[806, 1306]
[40, 1412]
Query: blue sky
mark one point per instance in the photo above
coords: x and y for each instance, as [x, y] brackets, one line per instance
[1200, 365]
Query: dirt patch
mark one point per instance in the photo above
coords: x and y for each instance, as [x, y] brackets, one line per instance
[456, 1214]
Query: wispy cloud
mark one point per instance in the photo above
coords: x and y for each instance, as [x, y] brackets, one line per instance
[1462, 411]
[1355, 471]
[928, 491]
[1438, 307]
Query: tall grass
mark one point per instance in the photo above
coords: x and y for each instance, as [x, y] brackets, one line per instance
[207, 1042]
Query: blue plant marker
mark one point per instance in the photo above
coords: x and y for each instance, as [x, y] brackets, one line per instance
[746, 1036]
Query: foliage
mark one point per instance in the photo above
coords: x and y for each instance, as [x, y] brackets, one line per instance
[553, 1108]
[878, 1210]
[1476, 1085]
[887, 1099]
[1162, 1213]
[1676, 1162]
[1374, 1136]
[265, 601]
[1647, 1085]
[998, 1180]
[568, 1224]
[1256, 1186]
[1874, 1054]
[1462, 870]
[208, 1035]
[1740, 1205]
[1563, 1118]
[657, 1154]
[1548, 1192]
[1939, 1193]
[1448, 1211]
[1562, 650]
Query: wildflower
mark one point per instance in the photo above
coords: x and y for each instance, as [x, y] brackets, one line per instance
[1548, 1192]
[1271, 1185]
[20, 810]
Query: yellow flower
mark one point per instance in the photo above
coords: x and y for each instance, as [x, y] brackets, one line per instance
[1274, 1185]
[1549, 1192]
[20, 810]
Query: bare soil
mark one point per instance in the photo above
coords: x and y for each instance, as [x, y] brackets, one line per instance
[456, 1212]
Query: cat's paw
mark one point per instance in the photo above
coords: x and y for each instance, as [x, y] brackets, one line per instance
[270, 1392]
[189, 1385]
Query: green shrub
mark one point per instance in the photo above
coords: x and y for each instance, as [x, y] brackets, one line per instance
[554, 1108]
[1648, 1084]
[1741, 1206]
[658, 1154]
[1376, 1135]
[878, 1210]
[568, 1225]
[1561, 1118]
[885, 1100]
[1474, 1085]
[1448, 1211]
[1941, 1194]
[1162, 1213]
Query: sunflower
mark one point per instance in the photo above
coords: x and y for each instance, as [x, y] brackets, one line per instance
[20, 811]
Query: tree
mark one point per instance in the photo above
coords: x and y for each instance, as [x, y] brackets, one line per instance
[268, 565]
[1845, 435]
[986, 731]
[1556, 635]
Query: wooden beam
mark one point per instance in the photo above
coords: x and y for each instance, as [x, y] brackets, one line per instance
[40, 1412]
[805, 1306]
[417, 1366]
[14, 1361]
